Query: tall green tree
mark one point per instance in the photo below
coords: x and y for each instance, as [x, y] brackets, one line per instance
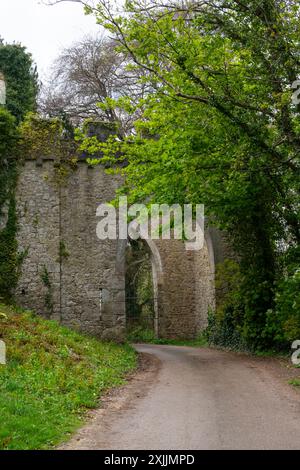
[224, 127]
[9, 258]
[21, 79]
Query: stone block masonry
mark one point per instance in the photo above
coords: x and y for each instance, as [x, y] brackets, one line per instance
[72, 276]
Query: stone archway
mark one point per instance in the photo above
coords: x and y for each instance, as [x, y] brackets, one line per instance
[188, 292]
[87, 287]
[183, 283]
[157, 273]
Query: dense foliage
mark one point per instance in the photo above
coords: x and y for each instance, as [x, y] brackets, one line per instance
[221, 128]
[10, 259]
[47, 137]
[21, 89]
[21, 78]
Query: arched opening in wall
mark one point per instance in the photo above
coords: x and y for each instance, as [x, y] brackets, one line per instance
[140, 291]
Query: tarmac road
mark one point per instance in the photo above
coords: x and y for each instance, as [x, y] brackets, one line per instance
[197, 398]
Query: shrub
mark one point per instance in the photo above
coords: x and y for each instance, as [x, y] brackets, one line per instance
[283, 322]
[224, 332]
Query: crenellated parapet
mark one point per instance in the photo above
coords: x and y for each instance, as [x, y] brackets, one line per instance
[72, 276]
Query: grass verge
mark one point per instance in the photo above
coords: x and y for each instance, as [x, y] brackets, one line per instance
[141, 335]
[52, 376]
[295, 382]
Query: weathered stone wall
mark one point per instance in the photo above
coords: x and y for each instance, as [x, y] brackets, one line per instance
[38, 208]
[57, 227]
[72, 276]
[204, 278]
[186, 290]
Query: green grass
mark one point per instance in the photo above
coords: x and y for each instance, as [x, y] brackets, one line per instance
[141, 335]
[295, 382]
[271, 353]
[199, 342]
[53, 375]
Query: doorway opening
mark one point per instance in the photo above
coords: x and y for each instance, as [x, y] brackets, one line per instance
[141, 310]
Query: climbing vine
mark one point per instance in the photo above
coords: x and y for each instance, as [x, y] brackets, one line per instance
[63, 252]
[49, 138]
[49, 290]
[23, 134]
[10, 258]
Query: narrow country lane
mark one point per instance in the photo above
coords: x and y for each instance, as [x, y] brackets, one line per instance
[190, 398]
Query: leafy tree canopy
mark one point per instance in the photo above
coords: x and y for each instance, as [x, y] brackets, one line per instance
[220, 127]
[21, 78]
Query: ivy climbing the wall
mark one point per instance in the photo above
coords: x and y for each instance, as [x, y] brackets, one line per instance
[10, 259]
[50, 138]
[21, 85]
[45, 277]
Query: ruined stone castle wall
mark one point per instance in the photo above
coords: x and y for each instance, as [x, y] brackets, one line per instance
[72, 276]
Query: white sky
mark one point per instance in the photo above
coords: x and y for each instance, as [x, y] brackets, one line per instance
[44, 30]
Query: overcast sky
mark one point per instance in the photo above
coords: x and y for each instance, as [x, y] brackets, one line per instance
[44, 30]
